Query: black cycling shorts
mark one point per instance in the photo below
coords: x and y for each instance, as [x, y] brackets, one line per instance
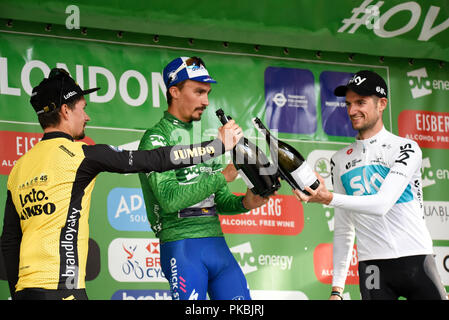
[411, 277]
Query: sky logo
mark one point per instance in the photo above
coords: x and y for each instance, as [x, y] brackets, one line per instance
[290, 100]
[126, 210]
[367, 180]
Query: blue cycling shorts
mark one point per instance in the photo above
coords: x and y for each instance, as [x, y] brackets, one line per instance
[200, 266]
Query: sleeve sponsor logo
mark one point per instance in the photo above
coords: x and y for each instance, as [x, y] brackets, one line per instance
[404, 153]
[183, 154]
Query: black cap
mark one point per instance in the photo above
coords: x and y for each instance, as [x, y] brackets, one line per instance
[364, 83]
[54, 91]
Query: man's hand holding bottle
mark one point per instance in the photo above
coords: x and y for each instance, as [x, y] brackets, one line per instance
[230, 134]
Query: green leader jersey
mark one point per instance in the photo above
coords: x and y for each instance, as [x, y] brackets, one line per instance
[185, 203]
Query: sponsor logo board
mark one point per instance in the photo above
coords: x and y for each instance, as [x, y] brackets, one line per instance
[135, 260]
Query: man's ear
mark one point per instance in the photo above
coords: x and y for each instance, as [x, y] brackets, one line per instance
[382, 103]
[64, 111]
[174, 91]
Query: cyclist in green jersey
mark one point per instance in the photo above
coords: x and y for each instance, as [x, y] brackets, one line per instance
[183, 205]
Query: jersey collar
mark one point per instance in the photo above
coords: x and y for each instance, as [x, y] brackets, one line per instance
[376, 138]
[56, 134]
[176, 122]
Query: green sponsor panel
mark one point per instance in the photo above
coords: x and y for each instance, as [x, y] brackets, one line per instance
[402, 28]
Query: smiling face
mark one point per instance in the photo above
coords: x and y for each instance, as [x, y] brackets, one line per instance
[365, 113]
[190, 101]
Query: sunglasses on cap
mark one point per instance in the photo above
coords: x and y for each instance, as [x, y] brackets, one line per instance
[193, 63]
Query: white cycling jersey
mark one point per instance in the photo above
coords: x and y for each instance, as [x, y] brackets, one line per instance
[378, 200]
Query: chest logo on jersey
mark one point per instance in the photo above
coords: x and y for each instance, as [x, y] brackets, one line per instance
[364, 180]
[34, 203]
[157, 140]
[367, 180]
[353, 163]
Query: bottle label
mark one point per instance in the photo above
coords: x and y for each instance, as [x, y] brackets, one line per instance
[245, 178]
[304, 176]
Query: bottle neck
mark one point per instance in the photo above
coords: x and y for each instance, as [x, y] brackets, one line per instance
[268, 136]
[222, 117]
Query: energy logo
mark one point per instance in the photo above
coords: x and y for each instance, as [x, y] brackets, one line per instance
[250, 262]
[419, 83]
[243, 250]
[427, 173]
[431, 175]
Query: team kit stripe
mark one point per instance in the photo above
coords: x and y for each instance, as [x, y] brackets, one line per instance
[68, 243]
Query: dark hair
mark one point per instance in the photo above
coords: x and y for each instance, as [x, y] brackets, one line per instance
[179, 85]
[53, 118]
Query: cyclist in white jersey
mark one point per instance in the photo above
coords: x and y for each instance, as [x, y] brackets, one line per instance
[378, 200]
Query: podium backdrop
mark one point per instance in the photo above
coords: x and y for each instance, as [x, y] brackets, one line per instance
[285, 247]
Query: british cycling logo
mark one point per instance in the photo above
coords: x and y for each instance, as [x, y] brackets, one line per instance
[421, 85]
[135, 260]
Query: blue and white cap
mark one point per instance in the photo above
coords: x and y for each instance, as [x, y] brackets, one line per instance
[185, 68]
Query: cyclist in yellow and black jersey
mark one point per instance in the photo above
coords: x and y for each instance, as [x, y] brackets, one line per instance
[45, 232]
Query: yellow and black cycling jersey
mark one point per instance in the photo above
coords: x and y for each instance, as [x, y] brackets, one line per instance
[45, 233]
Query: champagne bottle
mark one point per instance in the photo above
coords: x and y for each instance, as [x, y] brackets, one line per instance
[250, 161]
[291, 164]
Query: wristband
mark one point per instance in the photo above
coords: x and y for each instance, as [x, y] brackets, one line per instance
[337, 293]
